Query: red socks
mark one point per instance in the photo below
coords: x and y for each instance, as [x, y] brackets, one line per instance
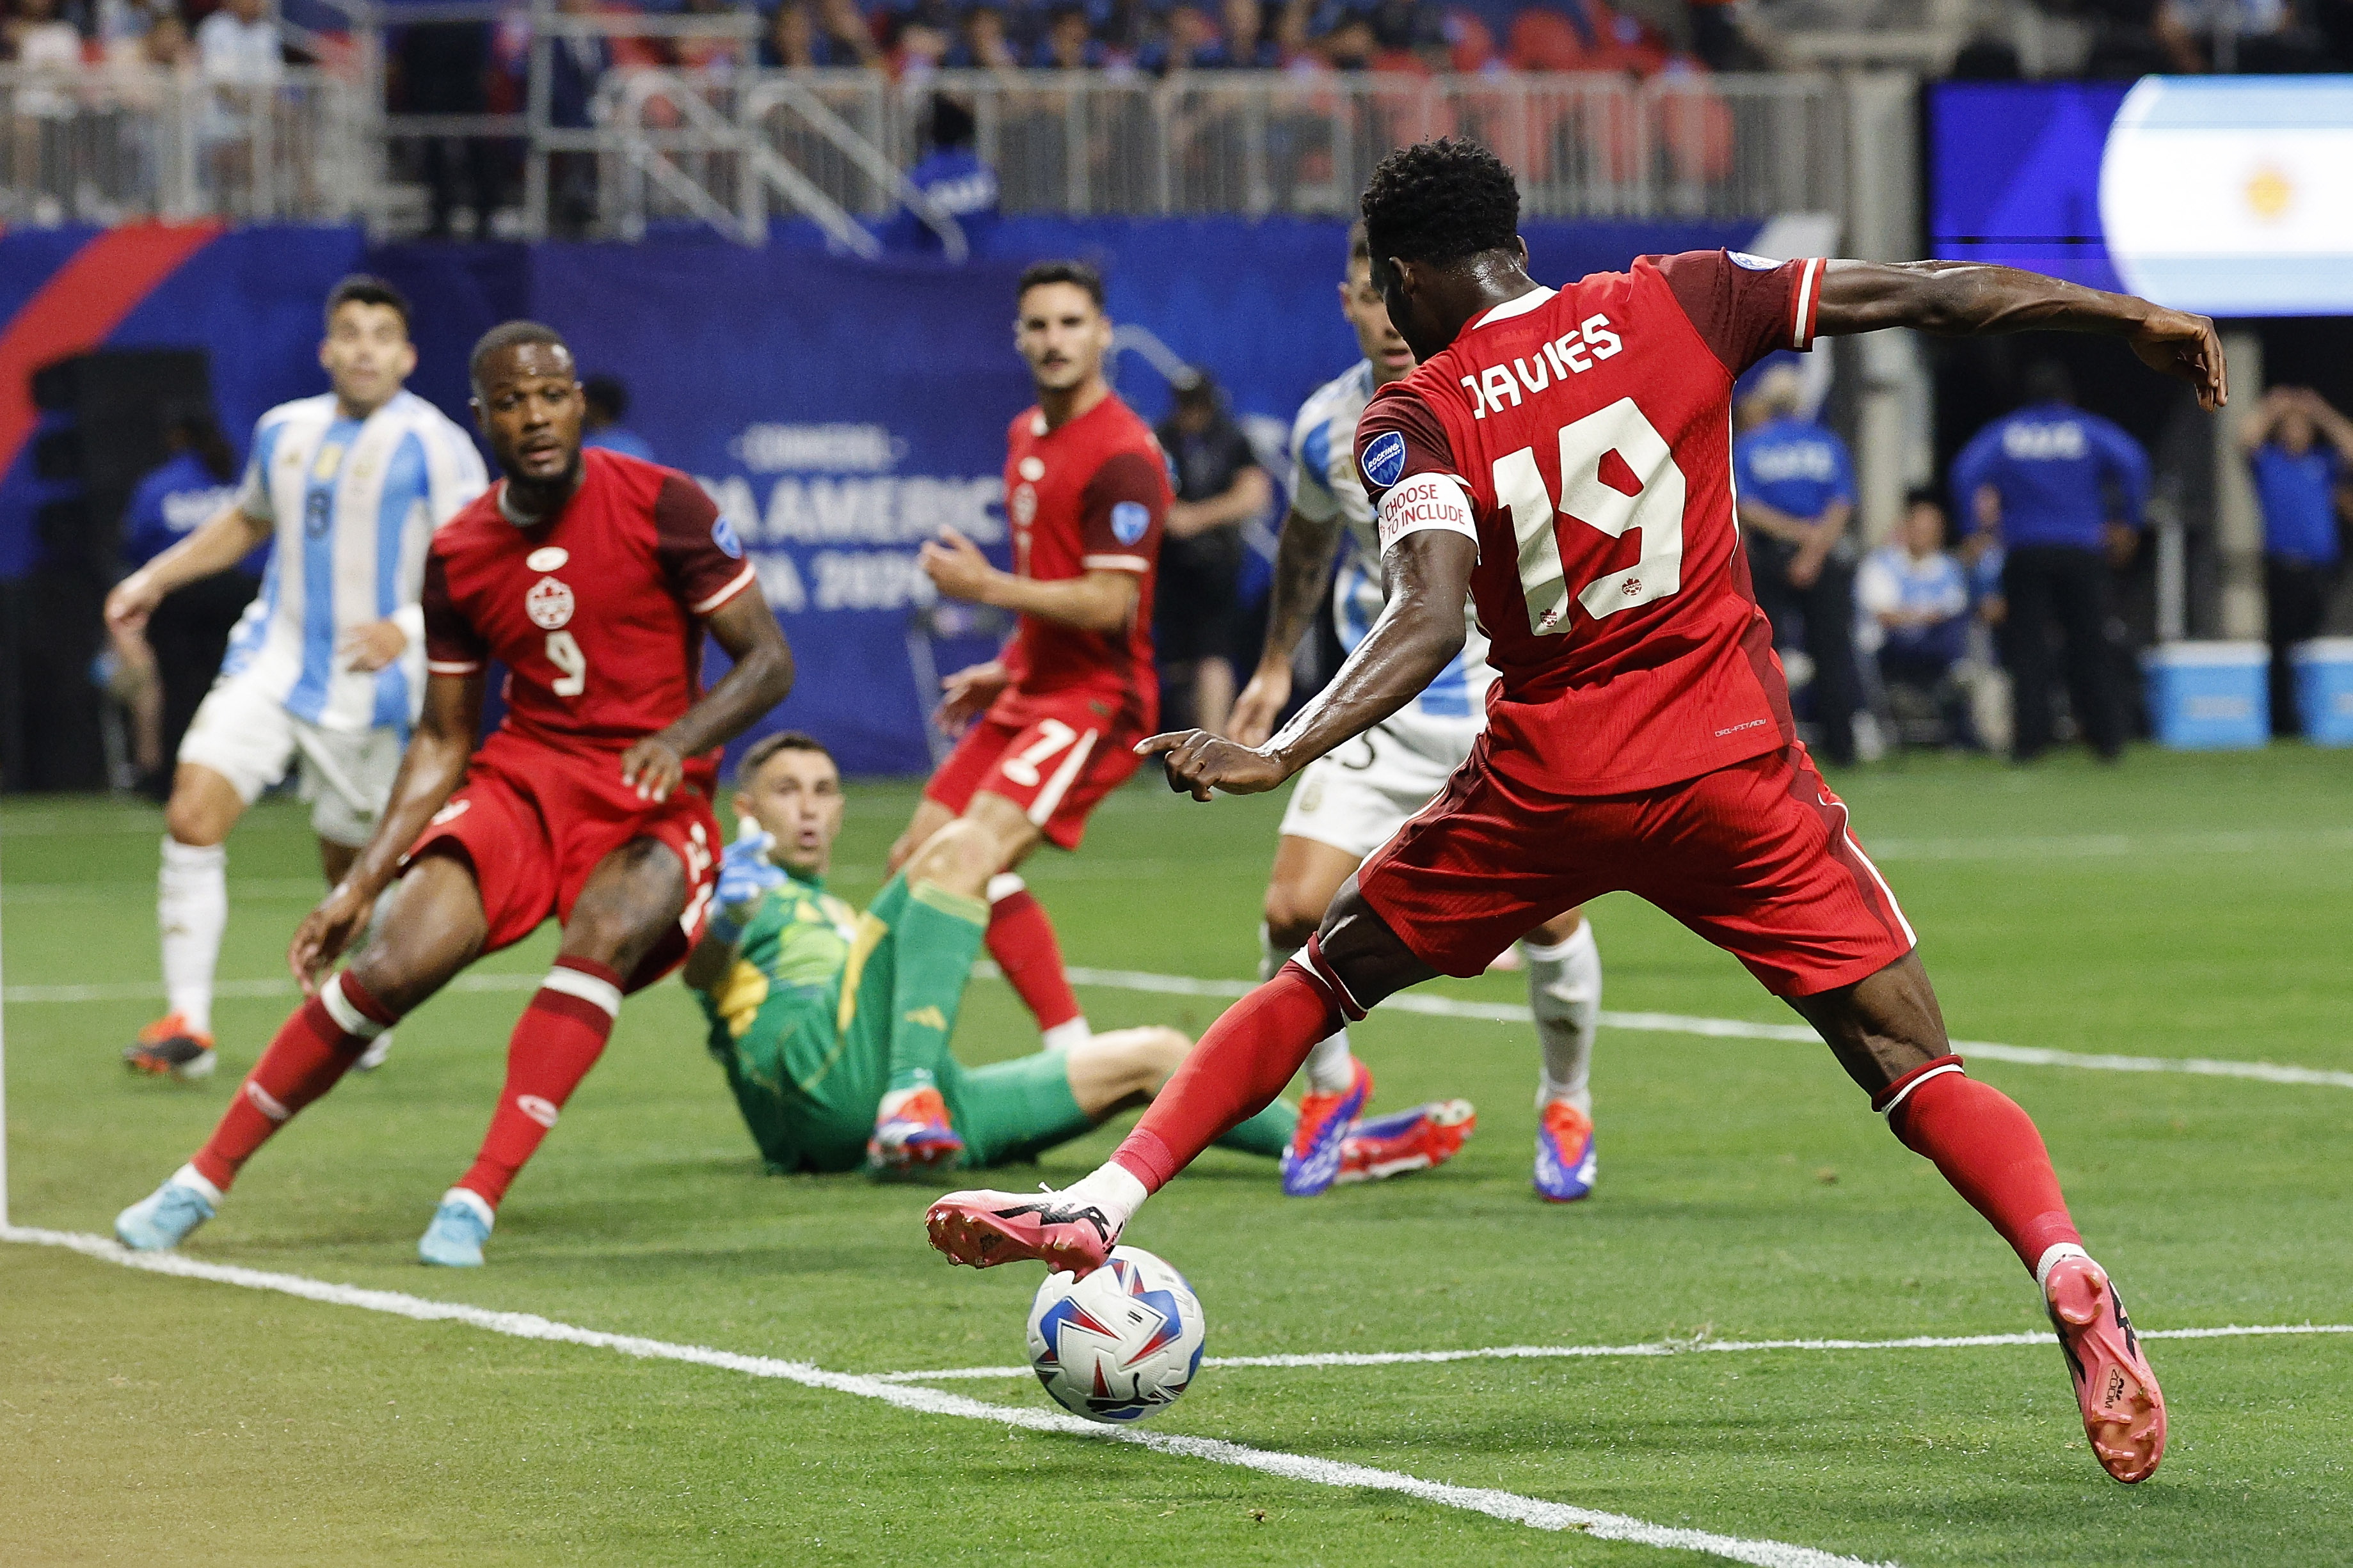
[555, 1042]
[1236, 1071]
[1987, 1147]
[313, 1049]
[1021, 940]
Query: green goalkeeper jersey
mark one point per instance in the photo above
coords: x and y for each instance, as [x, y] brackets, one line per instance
[777, 1018]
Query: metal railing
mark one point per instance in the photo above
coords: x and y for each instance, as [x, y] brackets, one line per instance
[1249, 143]
[109, 143]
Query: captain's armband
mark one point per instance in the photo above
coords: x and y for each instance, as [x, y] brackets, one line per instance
[1425, 501]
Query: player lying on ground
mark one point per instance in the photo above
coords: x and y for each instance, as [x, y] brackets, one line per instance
[1048, 725]
[1566, 457]
[834, 1026]
[1348, 804]
[328, 662]
[591, 579]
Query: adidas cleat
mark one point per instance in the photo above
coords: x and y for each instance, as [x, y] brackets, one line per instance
[1565, 1163]
[460, 1225]
[162, 1219]
[984, 1229]
[168, 1047]
[2124, 1413]
[914, 1138]
[1312, 1161]
[1417, 1140]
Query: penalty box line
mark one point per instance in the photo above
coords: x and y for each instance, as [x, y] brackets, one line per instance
[1537, 1513]
[1405, 1002]
[1650, 1349]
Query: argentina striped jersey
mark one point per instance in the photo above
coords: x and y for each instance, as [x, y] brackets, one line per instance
[354, 502]
[1325, 485]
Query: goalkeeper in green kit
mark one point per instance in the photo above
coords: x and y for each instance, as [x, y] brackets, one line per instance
[833, 1026]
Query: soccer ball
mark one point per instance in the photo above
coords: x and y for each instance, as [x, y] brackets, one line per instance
[1119, 1343]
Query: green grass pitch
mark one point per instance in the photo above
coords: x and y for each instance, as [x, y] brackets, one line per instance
[2173, 907]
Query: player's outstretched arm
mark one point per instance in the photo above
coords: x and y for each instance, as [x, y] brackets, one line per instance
[1302, 569]
[1968, 299]
[1417, 635]
[215, 544]
[429, 770]
[763, 677]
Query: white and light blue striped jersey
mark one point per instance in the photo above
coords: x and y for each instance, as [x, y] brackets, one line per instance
[354, 503]
[1323, 486]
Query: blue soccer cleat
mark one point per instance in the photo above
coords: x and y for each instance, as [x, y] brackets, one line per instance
[460, 1225]
[162, 1219]
[1312, 1161]
[1564, 1163]
[915, 1138]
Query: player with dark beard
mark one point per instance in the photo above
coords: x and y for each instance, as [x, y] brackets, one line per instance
[592, 577]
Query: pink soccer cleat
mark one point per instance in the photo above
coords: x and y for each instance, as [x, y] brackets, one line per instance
[1312, 1161]
[1405, 1142]
[985, 1229]
[2124, 1414]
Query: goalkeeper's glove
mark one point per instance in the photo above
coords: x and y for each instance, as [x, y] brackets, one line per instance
[746, 876]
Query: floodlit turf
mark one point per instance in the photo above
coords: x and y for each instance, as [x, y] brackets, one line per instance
[2173, 907]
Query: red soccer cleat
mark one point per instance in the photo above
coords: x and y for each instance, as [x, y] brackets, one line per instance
[2124, 1414]
[985, 1229]
[1409, 1140]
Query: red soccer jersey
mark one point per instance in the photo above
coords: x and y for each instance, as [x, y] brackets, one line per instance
[1591, 429]
[596, 613]
[1091, 496]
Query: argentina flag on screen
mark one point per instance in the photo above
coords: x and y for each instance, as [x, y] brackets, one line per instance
[354, 503]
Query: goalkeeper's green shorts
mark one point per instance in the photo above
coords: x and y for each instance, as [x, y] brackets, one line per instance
[1005, 1111]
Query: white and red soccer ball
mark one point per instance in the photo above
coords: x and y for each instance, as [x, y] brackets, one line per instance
[1119, 1343]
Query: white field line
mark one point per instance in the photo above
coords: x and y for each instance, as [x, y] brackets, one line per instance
[1652, 1349]
[1536, 1512]
[1408, 1002]
[1741, 1030]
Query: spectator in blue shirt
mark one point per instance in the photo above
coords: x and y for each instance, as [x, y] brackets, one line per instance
[165, 671]
[604, 403]
[2062, 489]
[958, 184]
[1915, 603]
[2299, 450]
[1796, 487]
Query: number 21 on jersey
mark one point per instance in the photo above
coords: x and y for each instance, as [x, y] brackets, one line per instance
[1594, 494]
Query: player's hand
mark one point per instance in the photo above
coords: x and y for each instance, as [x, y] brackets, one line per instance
[957, 567]
[325, 932]
[131, 602]
[1257, 710]
[966, 694]
[1198, 761]
[654, 766]
[2186, 347]
[371, 648]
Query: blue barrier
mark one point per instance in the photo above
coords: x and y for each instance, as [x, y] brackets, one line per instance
[840, 410]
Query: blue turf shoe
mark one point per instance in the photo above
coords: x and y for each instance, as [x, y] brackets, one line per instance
[460, 1225]
[1312, 1161]
[1564, 1163]
[162, 1219]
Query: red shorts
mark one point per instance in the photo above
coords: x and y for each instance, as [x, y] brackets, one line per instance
[535, 820]
[1756, 858]
[1056, 767]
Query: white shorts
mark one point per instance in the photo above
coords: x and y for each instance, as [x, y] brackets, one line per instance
[244, 734]
[1354, 798]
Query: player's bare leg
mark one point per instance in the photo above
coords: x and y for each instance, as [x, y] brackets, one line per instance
[1889, 1034]
[435, 929]
[630, 901]
[1020, 937]
[191, 914]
